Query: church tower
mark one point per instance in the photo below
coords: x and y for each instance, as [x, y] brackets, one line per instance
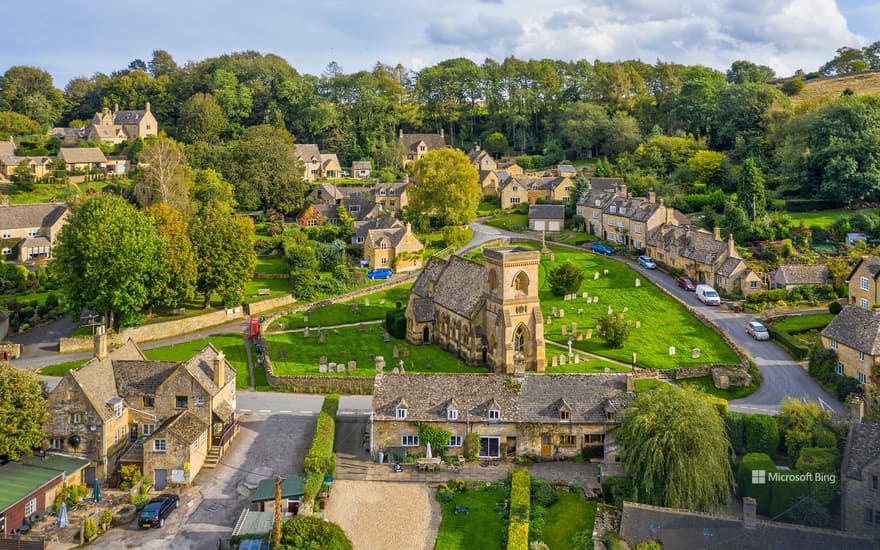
[514, 323]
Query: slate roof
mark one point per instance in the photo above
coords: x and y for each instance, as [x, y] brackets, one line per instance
[361, 165]
[393, 235]
[308, 151]
[430, 272]
[382, 222]
[21, 216]
[504, 165]
[327, 192]
[547, 211]
[423, 310]
[77, 155]
[329, 158]
[292, 487]
[427, 396]
[856, 328]
[139, 378]
[803, 275]
[685, 530]
[605, 184]
[697, 245]
[862, 448]
[567, 170]
[128, 117]
[201, 367]
[35, 242]
[398, 187]
[871, 263]
[460, 287]
[729, 266]
[186, 426]
[541, 183]
[7, 148]
[476, 154]
[432, 141]
[596, 198]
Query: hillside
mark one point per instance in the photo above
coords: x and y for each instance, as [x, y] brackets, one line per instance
[867, 82]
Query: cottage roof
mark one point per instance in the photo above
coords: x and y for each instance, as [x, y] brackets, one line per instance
[21, 216]
[186, 426]
[862, 448]
[541, 183]
[476, 154]
[596, 198]
[567, 170]
[327, 192]
[292, 487]
[605, 184]
[730, 266]
[803, 275]
[79, 155]
[328, 159]
[201, 367]
[432, 141]
[431, 272]
[398, 188]
[694, 244]
[460, 287]
[547, 211]
[392, 235]
[35, 242]
[856, 328]
[361, 165]
[505, 165]
[683, 529]
[382, 222]
[681, 218]
[585, 396]
[7, 148]
[484, 174]
[17, 481]
[129, 117]
[871, 263]
[141, 377]
[307, 152]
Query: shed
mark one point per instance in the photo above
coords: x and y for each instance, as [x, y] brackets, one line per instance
[546, 217]
[292, 490]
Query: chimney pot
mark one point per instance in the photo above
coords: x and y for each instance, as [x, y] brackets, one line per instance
[717, 232]
[101, 343]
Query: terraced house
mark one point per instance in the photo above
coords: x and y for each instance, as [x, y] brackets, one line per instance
[535, 414]
[855, 335]
[860, 475]
[169, 417]
[863, 283]
[611, 213]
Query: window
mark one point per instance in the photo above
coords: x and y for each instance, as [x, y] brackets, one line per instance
[203, 437]
[384, 260]
[610, 222]
[514, 200]
[359, 240]
[861, 356]
[612, 209]
[861, 378]
[638, 244]
[863, 303]
[564, 415]
[490, 447]
[75, 418]
[33, 232]
[30, 508]
[638, 229]
[594, 439]
[122, 431]
[832, 344]
[595, 215]
[567, 440]
[409, 440]
[200, 401]
[391, 192]
[620, 223]
[494, 414]
[181, 401]
[6, 251]
[195, 445]
[610, 416]
[863, 283]
[753, 284]
[391, 204]
[149, 402]
[839, 368]
[7, 235]
[313, 223]
[869, 515]
[353, 208]
[520, 309]
[401, 413]
[159, 445]
[452, 414]
[147, 429]
[58, 445]
[383, 245]
[117, 408]
[454, 441]
[115, 438]
[874, 483]
[623, 210]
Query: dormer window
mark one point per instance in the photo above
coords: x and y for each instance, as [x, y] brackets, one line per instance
[117, 410]
[494, 414]
[612, 209]
[564, 415]
[597, 202]
[401, 413]
[383, 245]
[610, 416]
[623, 210]
[382, 192]
[391, 192]
[452, 413]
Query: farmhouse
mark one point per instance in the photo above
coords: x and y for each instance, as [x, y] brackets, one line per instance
[418, 145]
[117, 126]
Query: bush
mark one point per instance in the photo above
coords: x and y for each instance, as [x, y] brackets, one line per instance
[90, 528]
[762, 434]
[820, 461]
[471, 446]
[719, 402]
[834, 308]
[734, 424]
[518, 529]
[613, 329]
[565, 279]
[320, 460]
[760, 492]
[456, 485]
[616, 489]
[313, 532]
[456, 236]
[395, 323]
[808, 511]
[444, 495]
[543, 494]
[106, 517]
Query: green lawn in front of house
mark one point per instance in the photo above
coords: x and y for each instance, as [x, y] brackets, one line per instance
[341, 313]
[482, 528]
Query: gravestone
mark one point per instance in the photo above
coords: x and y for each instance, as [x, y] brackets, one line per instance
[402, 370]
[607, 370]
[610, 310]
[638, 282]
[553, 311]
[335, 331]
[564, 330]
[306, 332]
[635, 356]
[552, 257]
[580, 337]
[562, 360]
[395, 353]
[355, 309]
[574, 327]
[561, 313]
[380, 364]
[282, 354]
[589, 334]
[595, 299]
[323, 360]
[695, 353]
[386, 337]
[625, 309]
[322, 369]
[638, 324]
[671, 350]
[382, 302]
[566, 297]
[395, 370]
[428, 363]
[366, 302]
[580, 311]
[584, 295]
[549, 320]
[331, 367]
[577, 359]
[352, 365]
[596, 276]
[305, 318]
[360, 327]
[554, 362]
[405, 352]
[606, 272]
[321, 338]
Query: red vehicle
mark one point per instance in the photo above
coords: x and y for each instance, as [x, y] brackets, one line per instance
[254, 330]
[686, 284]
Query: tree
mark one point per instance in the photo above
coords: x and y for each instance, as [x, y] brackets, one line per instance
[613, 329]
[29, 91]
[201, 119]
[583, 127]
[706, 166]
[676, 450]
[496, 144]
[107, 259]
[164, 176]
[162, 64]
[22, 176]
[177, 282]
[750, 190]
[565, 279]
[209, 186]
[736, 221]
[265, 170]
[741, 72]
[14, 124]
[225, 255]
[312, 533]
[623, 135]
[22, 412]
[446, 187]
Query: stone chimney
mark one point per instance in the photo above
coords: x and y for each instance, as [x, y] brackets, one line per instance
[116, 107]
[408, 227]
[717, 232]
[220, 370]
[750, 513]
[652, 197]
[670, 213]
[101, 343]
[731, 246]
[621, 190]
[476, 147]
[148, 107]
[856, 410]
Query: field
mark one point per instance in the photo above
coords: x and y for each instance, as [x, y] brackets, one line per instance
[823, 218]
[302, 354]
[338, 314]
[565, 517]
[819, 89]
[46, 192]
[481, 529]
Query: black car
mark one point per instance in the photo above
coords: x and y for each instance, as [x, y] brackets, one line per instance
[155, 512]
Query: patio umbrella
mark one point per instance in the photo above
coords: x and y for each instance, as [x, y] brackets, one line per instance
[96, 494]
[63, 521]
[428, 451]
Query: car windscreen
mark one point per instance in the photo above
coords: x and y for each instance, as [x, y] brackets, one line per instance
[711, 294]
[760, 328]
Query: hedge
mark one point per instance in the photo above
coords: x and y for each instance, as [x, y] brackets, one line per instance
[788, 342]
[761, 433]
[824, 461]
[734, 424]
[719, 403]
[784, 494]
[760, 492]
[395, 323]
[520, 502]
[320, 460]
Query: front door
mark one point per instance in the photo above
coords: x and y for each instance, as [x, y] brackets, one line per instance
[89, 476]
[511, 446]
[426, 336]
[161, 479]
[293, 507]
[485, 354]
[546, 449]
[133, 433]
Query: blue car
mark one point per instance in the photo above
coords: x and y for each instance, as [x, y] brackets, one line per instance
[600, 248]
[381, 273]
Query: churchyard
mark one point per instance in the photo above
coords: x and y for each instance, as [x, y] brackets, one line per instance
[373, 306]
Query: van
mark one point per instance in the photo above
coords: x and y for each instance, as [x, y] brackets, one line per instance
[708, 295]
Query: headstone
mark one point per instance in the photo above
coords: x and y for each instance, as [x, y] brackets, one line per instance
[323, 360]
[335, 331]
[610, 310]
[382, 302]
[589, 334]
[566, 298]
[638, 282]
[321, 338]
[695, 353]
[671, 350]
[380, 364]
[584, 295]
[331, 367]
[402, 370]
[596, 276]
[580, 337]
[352, 365]
[607, 369]
[577, 359]
[282, 354]
[405, 352]
[595, 299]
[552, 257]
[554, 362]
[360, 327]
[549, 320]
[574, 327]
[395, 370]
[366, 302]
[562, 360]
[305, 318]
[638, 324]
[564, 330]
[635, 356]
[606, 272]
[355, 309]
[395, 353]
[553, 311]
[561, 313]
[306, 332]
[580, 311]
[322, 368]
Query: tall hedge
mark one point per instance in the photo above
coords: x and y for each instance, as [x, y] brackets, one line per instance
[734, 424]
[762, 434]
[760, 492]
[520, 502]
[822, 461]
[395, 323]
[320, 456]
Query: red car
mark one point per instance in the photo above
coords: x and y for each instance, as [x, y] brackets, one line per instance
[686, 284]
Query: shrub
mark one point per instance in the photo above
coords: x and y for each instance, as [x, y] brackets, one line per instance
[582, 540]
[537, 521]
[456, 485]
[313, 532]
[437, 437]
[90, 528]
[834, 308]
[330, 404]
[616, 489]
[794, 348]
[456, 236]
[471, 446]
[518, 529]
[395, 323]
[106, 517]
[650, 545]
[444, 495]
[613, 329]
[565, 279]
[543, 494]
[824, 461]
[720, 404]
[808, 511]
[760, 492]
[762, 434]
[734, 424]
[796, 440]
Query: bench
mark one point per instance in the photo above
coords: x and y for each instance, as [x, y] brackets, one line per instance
[264, 292]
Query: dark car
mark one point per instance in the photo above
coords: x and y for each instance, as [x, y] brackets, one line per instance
[155, 512]
[381, 273]
[686, 284]
[600, 248]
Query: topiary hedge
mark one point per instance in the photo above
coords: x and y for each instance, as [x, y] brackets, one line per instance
[797, 350]
[734, 424]
[759, 491]
[823, 463]
[761, 433]
[320, 460]
[520, 502]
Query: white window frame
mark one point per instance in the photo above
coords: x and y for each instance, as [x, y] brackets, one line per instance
[832, 344]
[494, 414]
[861, 356]
[6, 251]
[30, 507]
[76, 418]
[839, 369]
[409, 441]
[452, 414]
[454, 441]
[200, 401]
[864, 284]
[359, 240]
[147, 429]
[638, 229]
[862, 378]
[401, 413]
[160, 445]
[480, 452]
[864, 303]
[753, 284]
[118, 408]
[612, 209]
[595, 215]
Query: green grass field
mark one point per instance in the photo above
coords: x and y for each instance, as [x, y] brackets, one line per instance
[303, 354]
[61, 368]
[565, 517]
[273, 265]
[277, 287]
[587, 364]
[509, 221]
[481, 529]
[486, 208]
[230, 344]
[339, 314]
[823, 218]
[45, 192]
[705, 385]
[664, 322]
[803, 323]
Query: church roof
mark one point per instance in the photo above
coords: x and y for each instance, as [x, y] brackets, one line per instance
[460, 287]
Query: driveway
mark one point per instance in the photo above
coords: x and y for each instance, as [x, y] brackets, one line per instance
[484, 233]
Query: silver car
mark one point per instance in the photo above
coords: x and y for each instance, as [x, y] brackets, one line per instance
[757, 331]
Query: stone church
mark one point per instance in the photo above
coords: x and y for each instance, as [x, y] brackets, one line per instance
[486, 314]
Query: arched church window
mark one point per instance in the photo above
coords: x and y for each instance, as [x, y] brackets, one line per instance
[519, 340]
[521, 282]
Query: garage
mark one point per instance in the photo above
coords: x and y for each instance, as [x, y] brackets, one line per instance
[539, 225]
[547, 217]
[553, 226]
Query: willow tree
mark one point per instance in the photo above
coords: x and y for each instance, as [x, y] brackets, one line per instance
[674, 444]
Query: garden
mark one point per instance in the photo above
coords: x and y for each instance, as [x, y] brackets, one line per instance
[797, 333]
[484, 524]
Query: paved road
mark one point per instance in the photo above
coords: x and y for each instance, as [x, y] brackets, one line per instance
[483, 233]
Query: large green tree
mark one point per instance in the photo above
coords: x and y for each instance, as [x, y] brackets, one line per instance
[107, 259]
[265, 170]
[29, 91]
[676, 450]
[750, 190]
[201, 119]
[312, 533]
[22, 412]
[446, 187]
[14, 124]
[164, 175]
[226, 256]
[177, 281]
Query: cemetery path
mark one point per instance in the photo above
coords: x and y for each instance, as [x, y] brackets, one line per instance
[344, 325]
[590, 354]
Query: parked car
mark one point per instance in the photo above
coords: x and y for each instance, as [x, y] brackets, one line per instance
[708, 295]
[647, 262]
[381, 273]
[686, 284]
[600, 248]
[155, 512]
[757, 331]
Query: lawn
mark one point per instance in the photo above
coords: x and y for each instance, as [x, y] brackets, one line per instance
[510, 221]
[342, 345]
[587, 365]
[565, 517]
[664, 322]
[277, 287]
[704, 384]
[45, 192]
[579, 238]
[61, 368]
[338, 314]
[230, 344]
[645, 384]
[802, 323]
[823, 218]
[271, 265]
[486, 208]
[481, 529]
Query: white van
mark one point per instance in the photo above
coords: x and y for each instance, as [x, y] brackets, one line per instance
[708, 295]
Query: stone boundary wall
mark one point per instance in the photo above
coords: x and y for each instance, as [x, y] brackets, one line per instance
[155, 331]
[271, 275]
[254, 308]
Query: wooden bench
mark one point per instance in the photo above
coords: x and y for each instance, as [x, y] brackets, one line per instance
[264, 292]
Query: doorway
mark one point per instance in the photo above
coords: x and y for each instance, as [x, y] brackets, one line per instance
[546, 448]
[89, 476]
[133, 432]
[161, 479]
[293, 507]
[490, 447]
[426, 336]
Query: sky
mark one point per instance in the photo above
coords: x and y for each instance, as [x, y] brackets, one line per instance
[89, 36]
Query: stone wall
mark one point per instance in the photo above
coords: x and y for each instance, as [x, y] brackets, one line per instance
[155, 331]
[255, 308]
[857, 496]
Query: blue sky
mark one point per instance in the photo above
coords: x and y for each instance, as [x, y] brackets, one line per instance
[88, 36]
